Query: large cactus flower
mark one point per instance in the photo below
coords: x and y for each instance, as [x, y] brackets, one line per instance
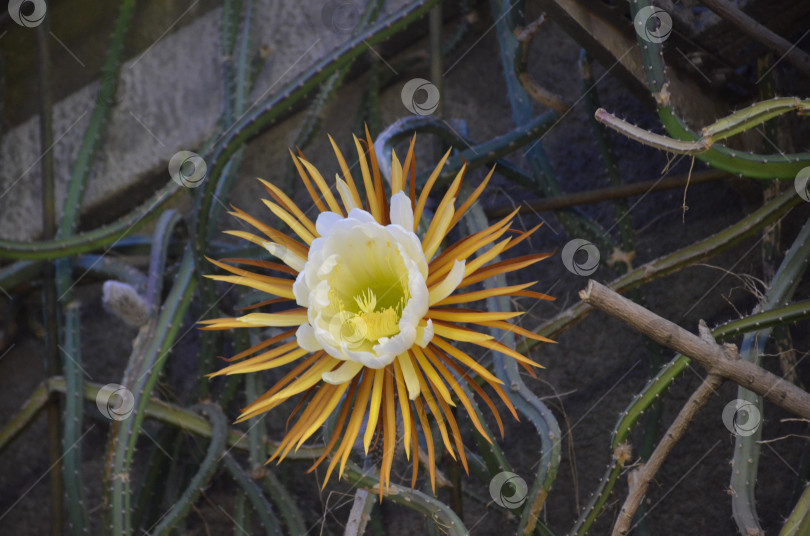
[377, 311]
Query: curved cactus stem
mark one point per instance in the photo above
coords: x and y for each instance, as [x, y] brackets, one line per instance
[91, 240]
[469, 153]
[149, 354]
[285, 502]
[745, 462]
[158, 464]
[240, 517]
[268, 519]
[523, 399]
[17, 273]
[597, 503]
[327, 90]
[161, 239]
[70, 343]
[676, 261]
[576, 224]
[157, 410]
[216, 448]
[752, 116]
[108, 267]
[774, 166]
[99, 119]
[74, 405]
[790, 269]
[493, 457]
[439, 513]
[788, 314]
[798, 522]
[257, 451]
[266, 113]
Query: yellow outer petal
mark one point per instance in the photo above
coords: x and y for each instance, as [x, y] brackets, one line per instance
[294, 318]
[346, 195]
[374, 410]
[347, 176]
[322, 186]
[405, 407]
[244, 368]
[459, 334]
[397, 180]
[433, 376]
[343, 373]
[324, 414]
[285, 290]
[409, 375]
[448, 285]
[307, 380]
[297, 227]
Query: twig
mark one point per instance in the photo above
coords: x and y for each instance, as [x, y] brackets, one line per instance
[609, 193]
[714, 358]
[639, 479]
[535, 90]
[359, 515]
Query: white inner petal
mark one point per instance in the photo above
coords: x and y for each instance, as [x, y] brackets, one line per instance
[364, 288]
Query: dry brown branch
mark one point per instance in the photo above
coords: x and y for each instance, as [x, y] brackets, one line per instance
[639, 480]
[714, 358]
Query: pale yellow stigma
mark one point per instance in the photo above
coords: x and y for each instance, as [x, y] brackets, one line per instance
[368, 324]
[366, 301]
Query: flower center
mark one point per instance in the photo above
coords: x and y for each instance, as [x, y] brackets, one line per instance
[364, 288]
[372, 323]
